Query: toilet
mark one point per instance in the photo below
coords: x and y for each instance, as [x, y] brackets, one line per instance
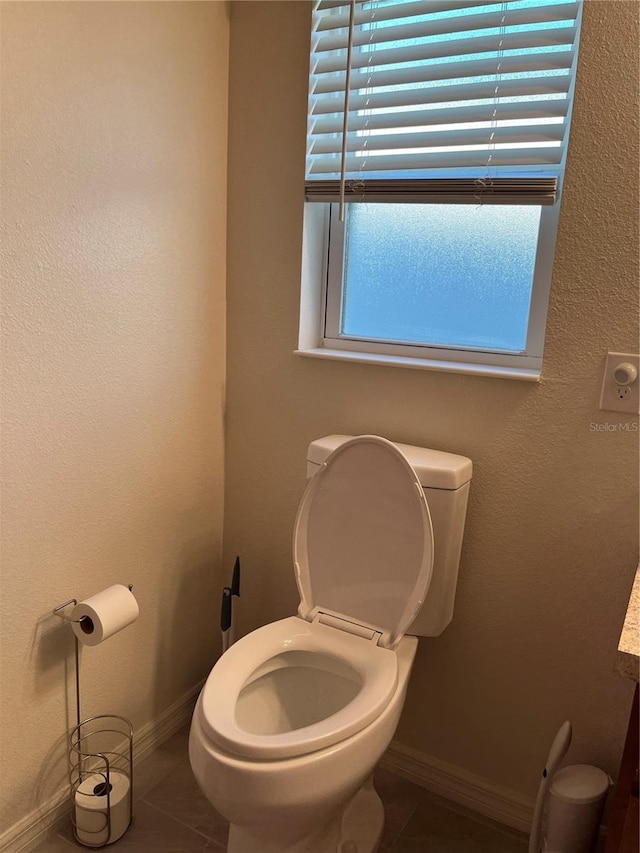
[294, 716]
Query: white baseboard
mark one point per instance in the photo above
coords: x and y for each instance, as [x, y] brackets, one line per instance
[34, 828]
[458, 786]
[153, 734]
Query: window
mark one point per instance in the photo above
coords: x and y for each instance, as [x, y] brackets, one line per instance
[436, 144]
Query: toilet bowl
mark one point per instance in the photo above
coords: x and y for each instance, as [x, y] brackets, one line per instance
[294, 716]
[280, 799]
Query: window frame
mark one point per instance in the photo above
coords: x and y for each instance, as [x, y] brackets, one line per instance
[332, 163]
[529, 359]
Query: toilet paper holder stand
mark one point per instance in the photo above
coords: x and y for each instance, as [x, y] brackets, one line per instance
[86, 760]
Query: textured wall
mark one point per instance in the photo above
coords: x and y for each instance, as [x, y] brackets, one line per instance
[114, 121]
[552, 535]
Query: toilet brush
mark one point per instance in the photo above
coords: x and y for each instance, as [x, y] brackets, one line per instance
[235, 591]
[557, 752]
[227, 610]
[225, 618]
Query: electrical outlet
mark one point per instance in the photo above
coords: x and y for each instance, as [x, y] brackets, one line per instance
[621, 384]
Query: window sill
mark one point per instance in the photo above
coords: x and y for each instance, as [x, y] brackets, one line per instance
[497, 372]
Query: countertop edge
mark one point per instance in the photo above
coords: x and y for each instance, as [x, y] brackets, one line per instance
[628, 654]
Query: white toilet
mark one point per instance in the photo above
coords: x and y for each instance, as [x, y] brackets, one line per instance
[294, 716]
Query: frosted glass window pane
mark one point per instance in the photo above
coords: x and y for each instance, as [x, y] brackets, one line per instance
[446, 275]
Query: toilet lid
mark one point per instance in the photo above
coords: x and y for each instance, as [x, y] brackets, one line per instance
[363, 541]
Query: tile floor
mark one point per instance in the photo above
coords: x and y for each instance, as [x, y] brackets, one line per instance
[172, 816]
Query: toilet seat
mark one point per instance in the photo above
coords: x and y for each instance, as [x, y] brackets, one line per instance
[374, 667]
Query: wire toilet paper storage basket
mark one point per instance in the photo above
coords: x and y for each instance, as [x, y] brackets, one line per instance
[100, 766]
[101, 776]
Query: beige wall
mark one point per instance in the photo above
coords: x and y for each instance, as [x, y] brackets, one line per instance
[552, 535]
[114, 120]
[113, 206]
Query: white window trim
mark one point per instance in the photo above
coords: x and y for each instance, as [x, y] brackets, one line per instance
[495, 372]
[321, 301]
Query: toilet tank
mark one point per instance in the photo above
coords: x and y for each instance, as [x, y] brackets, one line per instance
[445, 478]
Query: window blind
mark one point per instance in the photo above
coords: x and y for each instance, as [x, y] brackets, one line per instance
[448, 101]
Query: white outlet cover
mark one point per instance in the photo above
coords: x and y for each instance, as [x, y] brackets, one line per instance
[615, 397]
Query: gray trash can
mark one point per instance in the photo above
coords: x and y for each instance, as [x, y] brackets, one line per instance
[576, 802]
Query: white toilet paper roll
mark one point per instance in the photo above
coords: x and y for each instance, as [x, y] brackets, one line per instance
[92, 827]
[104, 614]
